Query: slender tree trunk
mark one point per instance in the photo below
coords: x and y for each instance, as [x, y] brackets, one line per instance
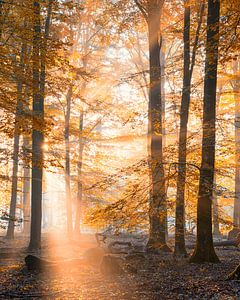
[67, 164]
[236, 208]
[26, 189]
[1, 17]
[162, 67]
[157, 203]
[39, 79]
[182, 151]
[216, 225]
[79, 170]
[12, 212]
[180, 248]
[204, 251]
[37, 137]
[157, 209]
[26, 148]
[19, 111]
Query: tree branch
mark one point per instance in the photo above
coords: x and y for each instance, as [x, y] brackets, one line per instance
[201, 12]
[142, 9]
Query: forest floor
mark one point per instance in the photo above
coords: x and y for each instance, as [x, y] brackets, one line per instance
[158, 277]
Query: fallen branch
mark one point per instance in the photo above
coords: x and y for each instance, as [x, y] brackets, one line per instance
[235, 275]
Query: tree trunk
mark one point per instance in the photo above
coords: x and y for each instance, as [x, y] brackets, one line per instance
[1, 17]
[185, 104]
[157, 209]
[236, 208]
[67, 164]
[216, 226]
[182, 151]
[79, 170]
[204, 251]
[37, 137]
[19, 111]
[26, 190]
[12, 212]
[39, 79]
[157, 194]
[162, 68]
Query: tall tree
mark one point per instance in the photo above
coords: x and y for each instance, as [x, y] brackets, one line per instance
[39, 78]
[26, 188]
[79, 174]
[216, 225]
[180, 220]
[204, 251]
[1, 17]
[26, 148]
[67, 162]
[19, 108]
[152, 12]
[184, 115]
[236, 87]
[37, 135]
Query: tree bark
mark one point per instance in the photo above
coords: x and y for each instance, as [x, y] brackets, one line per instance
[1, 17]
[236, 86]
[182, 151]
[67, 164]
[157, 203]
[79, 170]
[37, 137]
[39, 80]
[19, 111]
[204, 251]
[157, 208]
[12, 212]
[180, 248]
[216, 225]
[163, 75]
[26, 190]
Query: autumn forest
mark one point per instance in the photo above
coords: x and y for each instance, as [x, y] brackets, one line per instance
[120, 149]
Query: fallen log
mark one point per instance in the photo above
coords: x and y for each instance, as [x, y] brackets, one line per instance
[233, 243]
[125, 247]
[102, 238]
